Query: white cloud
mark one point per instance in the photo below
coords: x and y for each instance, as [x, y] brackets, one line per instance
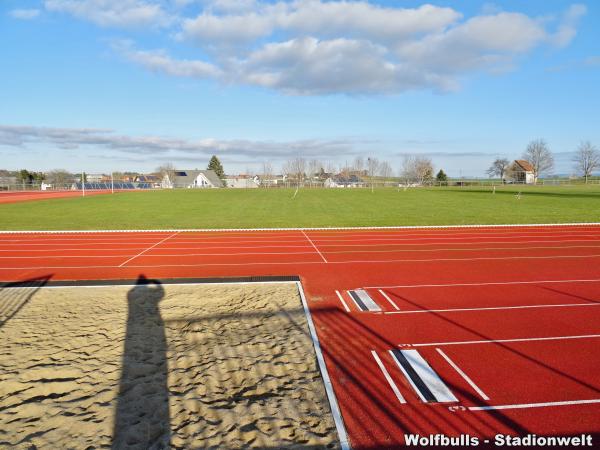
[113, 13]
[159, 61]
[313, 47]
[166, 148]
[315, 17]
[24, 14]
[567, 29]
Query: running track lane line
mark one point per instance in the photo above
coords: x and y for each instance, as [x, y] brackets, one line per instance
[315, 247]
[388, 299]
[384, 261]
[492, 341]
[342, 300]
[464, 375]
[388, 378]
[492, 308]
[149, 248]
[485, 283]
[534, 405]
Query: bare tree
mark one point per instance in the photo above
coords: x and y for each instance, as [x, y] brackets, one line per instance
[386, 171]
[586, 159]
[314, 166]
[167, 170]
[359, 165]
[267, 174]
[418, 169]
[60, 178]
[499, 168]
[296, 169]
[373, 166]
[539, 156]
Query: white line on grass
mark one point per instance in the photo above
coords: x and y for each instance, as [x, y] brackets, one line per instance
[388, 299]
[388, 377]
[313, 244]
[534, 405]
[462, 374]
[493, 341]
[149, 248]
[407, 227]
[492, 308]
[342, 300]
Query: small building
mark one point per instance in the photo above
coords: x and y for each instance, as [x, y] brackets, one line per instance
[242, 181]
[343, 181]
[192, 179]
[148, 181]
[522, 172]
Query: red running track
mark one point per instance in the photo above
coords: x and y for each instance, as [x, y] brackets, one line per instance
[25, 196]
[508, 317]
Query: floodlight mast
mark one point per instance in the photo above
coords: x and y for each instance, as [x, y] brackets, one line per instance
[112, 183]
[83, 184]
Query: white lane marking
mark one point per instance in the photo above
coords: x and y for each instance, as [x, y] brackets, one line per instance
[335, 410]
[388, 299]
[493, 308]
[148, 249]
[492, 341]
[268, 263]
[367, 300]
[485, 283]
[342, 300]
[388, 377]
[442, 249]
[406, 227]
[534, 405]
[424, 371]
[462, 374]
[313, 244]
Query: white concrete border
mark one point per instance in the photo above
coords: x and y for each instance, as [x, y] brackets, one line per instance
[213, 230]
[335, 409]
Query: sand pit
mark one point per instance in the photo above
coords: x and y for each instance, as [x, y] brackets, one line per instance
[160, 366]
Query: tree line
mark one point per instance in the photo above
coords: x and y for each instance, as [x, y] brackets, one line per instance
[586, 160]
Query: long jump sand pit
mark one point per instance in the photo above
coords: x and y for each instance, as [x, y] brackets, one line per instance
[160, 366]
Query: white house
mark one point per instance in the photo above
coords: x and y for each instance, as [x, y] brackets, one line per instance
[242, 181]
[521, 171]
[192, 179]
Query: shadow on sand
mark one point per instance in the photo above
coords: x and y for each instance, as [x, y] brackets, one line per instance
[142, 417]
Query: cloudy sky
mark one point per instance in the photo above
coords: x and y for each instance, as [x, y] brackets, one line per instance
[101, 85]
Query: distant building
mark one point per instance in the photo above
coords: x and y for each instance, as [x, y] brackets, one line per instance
[192, 179]
[149, 180]
[7, 182]
[343, 180]
[521, 171]
[242, 181]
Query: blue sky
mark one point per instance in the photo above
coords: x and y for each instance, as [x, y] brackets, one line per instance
[101, 85]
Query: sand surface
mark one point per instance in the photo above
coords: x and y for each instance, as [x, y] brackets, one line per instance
[155, 366]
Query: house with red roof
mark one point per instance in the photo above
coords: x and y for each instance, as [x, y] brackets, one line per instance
[521, 171]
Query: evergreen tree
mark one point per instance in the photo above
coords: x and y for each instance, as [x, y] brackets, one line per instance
[216, 166]
[441, 176]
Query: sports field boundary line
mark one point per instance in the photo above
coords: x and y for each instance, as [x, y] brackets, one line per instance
[164, 281]
[213, 230]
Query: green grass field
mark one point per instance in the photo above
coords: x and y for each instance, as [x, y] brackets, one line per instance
[266, 208]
